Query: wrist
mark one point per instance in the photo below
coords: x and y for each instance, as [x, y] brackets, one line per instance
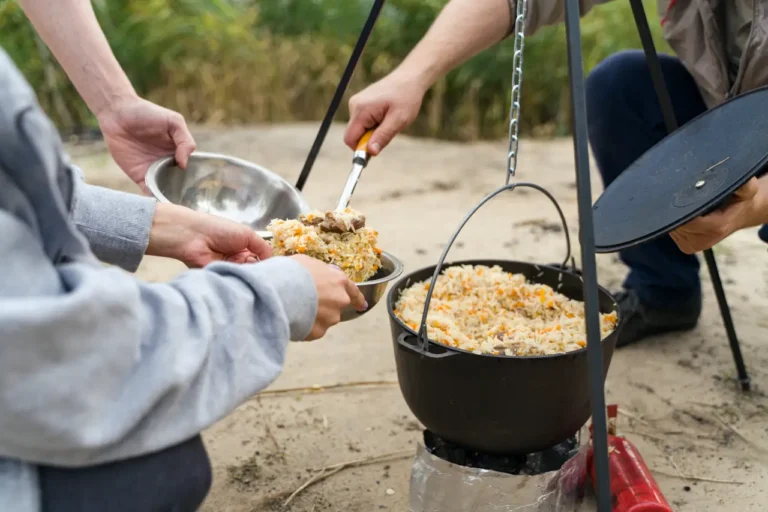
[421, 76]
[111, 100]
[168, 230]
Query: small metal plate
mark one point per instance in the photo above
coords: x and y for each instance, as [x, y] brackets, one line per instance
[703, 187]
[686, 175]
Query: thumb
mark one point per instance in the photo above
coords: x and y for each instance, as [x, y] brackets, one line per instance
[259, 246]
[393, 123]
[182, 138]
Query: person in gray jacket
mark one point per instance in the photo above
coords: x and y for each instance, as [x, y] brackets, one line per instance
[107, 381]
[97, 366]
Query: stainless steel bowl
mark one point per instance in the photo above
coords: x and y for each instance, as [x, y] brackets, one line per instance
[373, 289]
[228, 187]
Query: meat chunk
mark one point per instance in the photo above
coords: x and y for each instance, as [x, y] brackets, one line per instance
[335, 221]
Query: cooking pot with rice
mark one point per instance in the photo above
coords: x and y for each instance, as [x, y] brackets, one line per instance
[497, 403]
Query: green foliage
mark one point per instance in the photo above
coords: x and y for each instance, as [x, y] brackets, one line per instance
[245, 61]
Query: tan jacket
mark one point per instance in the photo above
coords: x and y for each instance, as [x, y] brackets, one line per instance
[691, 28]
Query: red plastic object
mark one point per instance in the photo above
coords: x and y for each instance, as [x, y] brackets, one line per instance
[633, 488]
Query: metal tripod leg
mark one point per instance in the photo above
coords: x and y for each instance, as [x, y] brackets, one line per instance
[338, 95]
[725, 312]
[588, 263]
[665, 101]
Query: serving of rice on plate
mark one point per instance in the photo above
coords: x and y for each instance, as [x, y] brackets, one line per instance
[486, 310]
[353, 250]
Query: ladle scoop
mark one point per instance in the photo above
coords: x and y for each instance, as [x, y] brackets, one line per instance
[343, 219]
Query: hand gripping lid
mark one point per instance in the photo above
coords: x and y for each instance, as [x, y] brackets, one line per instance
[689, 173]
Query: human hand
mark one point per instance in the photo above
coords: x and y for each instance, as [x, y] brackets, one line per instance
[389, 105]
[334, 292]
[748, 207]
[138, 132]
[197, 239]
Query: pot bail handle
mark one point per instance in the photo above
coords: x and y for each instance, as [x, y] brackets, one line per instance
[423, 339]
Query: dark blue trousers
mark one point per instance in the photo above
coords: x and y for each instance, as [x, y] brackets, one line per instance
[624, 121]
[176, 479]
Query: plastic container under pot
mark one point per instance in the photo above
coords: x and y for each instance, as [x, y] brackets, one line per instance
[438, 485]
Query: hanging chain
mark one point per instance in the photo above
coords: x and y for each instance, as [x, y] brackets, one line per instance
[517, 82]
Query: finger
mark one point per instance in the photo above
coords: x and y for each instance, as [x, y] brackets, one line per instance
[329, 316]
[356, 298]
[144, 188]
[685, 239]
[702, 233]
[239, 258]
[333, 318]
[259, 247]
[681, 241]
[711, 223]
[394, 122]
[317, 332]
[363, 119]
[685, 246]
[182, 138]
[355, 129]
[713, 216]
[748, 191]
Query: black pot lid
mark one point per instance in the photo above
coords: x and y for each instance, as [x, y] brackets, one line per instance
[687, 174]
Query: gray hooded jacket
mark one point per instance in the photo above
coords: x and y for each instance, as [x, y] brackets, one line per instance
[95, 365]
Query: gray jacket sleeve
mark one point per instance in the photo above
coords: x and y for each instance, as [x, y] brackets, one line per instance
[96, 365]
[116, 224]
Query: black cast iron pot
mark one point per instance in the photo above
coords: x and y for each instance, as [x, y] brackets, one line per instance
[497, 404]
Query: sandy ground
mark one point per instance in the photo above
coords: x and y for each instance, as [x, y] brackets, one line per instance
[687, 415]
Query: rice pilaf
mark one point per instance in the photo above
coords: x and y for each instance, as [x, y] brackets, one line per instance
[354, 251]
[486, 310]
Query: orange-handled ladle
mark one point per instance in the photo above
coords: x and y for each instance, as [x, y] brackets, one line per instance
[359, 161]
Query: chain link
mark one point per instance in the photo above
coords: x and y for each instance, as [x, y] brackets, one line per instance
[517, 82]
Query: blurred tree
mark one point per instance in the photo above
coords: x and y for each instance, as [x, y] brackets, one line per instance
[245, 61]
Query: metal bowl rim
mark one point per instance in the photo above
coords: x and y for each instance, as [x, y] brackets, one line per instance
[162, 163]
[151, 178]
[396, 272]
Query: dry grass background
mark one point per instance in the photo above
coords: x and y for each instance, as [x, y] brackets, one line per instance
[252, 61]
